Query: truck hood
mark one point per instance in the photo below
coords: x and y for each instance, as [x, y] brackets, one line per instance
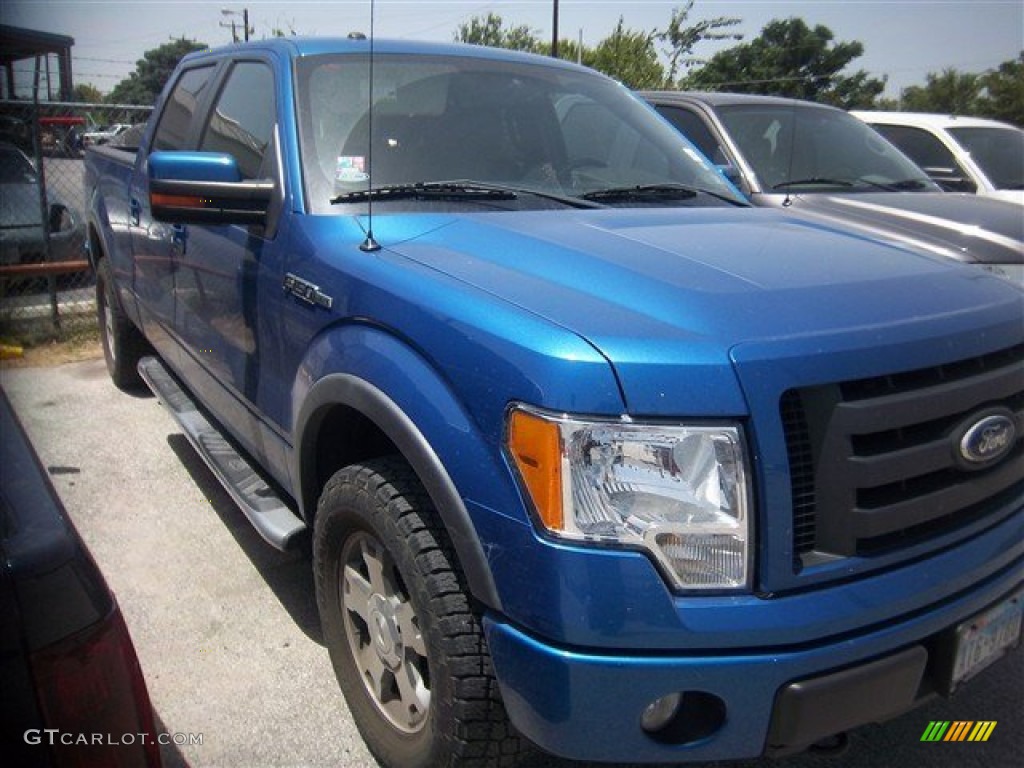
[959, 226]
[666, 295]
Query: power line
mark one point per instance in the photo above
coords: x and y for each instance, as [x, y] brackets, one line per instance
[102, 61]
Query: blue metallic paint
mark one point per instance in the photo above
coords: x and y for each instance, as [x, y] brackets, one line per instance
[675, 314]
[587, 705]
[193, 166]
[604, 598]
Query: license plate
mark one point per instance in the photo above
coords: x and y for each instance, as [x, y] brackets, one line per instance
[984, 638]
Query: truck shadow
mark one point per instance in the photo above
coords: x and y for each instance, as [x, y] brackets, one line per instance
[170, 755]
[288, 574]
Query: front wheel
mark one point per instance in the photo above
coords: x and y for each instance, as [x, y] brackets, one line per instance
[406, 645]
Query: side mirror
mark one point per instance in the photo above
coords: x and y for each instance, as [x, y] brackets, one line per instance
[950, 179]
[205, 188]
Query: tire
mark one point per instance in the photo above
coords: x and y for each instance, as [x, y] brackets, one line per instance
[123, 343]
[407, 647]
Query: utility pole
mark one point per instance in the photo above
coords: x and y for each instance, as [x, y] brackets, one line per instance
[245, 23]
[554, 32]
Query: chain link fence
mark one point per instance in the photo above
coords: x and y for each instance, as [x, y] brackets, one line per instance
[46, 284]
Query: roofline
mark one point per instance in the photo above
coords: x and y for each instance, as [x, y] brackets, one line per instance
[930, 118]
[299, 47]
[46, 40]
[728, 98]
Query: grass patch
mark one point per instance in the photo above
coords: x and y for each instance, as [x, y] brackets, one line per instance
[40, 344]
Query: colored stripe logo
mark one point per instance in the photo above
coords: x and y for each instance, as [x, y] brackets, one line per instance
[959, 730]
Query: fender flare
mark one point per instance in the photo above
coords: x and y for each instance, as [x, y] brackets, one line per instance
[94, 215]
[370, 401]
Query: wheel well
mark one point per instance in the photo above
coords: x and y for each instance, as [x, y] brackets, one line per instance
[346, 420]
[346, 437]
[94, 251]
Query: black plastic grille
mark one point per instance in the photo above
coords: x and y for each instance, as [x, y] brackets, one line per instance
[873, 462]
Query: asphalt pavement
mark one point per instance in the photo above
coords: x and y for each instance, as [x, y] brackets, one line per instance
[226, 627]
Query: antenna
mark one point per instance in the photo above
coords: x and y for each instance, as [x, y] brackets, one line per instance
[792, 151]
[370, 245]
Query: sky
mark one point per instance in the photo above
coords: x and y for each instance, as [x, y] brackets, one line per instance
[903, 40]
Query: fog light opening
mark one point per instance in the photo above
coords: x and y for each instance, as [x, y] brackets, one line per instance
[683, 718]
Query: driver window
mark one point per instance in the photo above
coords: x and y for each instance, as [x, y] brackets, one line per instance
[242, 121]
[173, 130]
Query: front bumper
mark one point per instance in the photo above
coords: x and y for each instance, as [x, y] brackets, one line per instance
[588, 706]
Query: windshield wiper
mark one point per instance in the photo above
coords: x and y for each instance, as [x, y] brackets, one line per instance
[432, 190]
[813, 180]
[458, 189]
[641, 192]
[657, 192]
[905, 185]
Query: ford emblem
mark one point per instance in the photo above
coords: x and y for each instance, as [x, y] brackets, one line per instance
[987, 440]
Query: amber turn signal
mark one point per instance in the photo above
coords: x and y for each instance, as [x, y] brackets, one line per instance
[536, 447]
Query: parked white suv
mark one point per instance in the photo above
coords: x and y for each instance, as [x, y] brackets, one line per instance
[104, 134]
[961, 154]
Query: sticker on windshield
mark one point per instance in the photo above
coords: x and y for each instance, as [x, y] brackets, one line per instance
[351, 169]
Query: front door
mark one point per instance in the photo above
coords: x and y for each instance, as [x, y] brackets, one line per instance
[222, 277]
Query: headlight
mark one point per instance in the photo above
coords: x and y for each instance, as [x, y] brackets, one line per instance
[677, 491]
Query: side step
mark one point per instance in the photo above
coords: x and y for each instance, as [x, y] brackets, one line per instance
[274, 521]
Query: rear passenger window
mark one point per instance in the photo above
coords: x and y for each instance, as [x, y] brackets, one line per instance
[176, 119]
[242, 121]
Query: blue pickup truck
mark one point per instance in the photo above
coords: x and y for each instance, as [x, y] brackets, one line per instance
[592, 455]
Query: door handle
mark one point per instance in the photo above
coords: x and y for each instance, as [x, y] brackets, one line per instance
[135, 212]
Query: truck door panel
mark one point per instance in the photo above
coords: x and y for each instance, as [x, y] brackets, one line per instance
[221, 277]
[158, 246]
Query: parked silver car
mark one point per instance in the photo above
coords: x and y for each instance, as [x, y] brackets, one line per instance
[825, 163]
[23, 229]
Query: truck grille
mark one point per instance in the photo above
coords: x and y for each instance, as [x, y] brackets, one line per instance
[877, 464]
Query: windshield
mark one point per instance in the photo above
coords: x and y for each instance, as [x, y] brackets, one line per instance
[830, 151]
[999, 152]
[557, 132]
[15, 168]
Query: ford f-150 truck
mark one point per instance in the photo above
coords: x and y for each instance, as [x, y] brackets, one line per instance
[592, 455]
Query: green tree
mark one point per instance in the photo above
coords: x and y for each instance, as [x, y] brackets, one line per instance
[568, 50]
[1003, 97]
[791, 59]
[629, 57]
[491, 31]
[86, 93]
[681, 38]
[281, 32]
[949, 91]
[151, 72]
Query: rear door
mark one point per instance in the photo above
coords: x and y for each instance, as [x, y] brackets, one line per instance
[157, 246]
